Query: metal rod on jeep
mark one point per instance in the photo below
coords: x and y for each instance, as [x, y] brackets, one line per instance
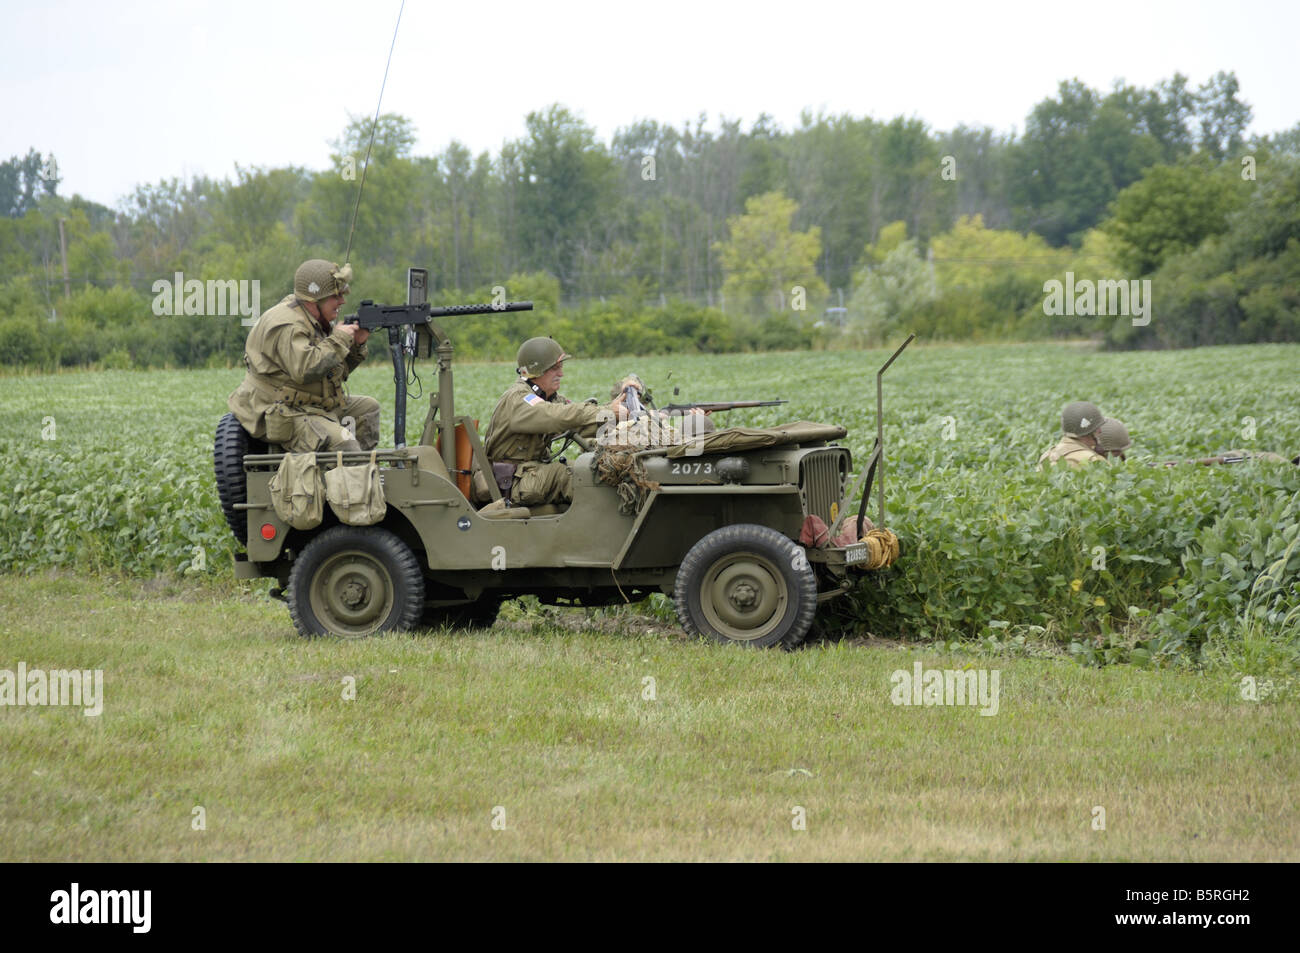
[877, 460]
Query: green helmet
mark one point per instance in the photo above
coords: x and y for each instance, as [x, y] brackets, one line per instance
[318, 278]
[1112, 436]
[1081, 418]
[537, 355]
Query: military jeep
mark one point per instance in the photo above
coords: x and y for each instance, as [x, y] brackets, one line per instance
[713, 521]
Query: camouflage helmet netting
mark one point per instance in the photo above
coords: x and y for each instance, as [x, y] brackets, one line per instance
[317, 278]
[1113, 436]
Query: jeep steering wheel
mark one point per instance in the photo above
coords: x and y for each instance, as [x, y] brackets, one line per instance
[569, 437]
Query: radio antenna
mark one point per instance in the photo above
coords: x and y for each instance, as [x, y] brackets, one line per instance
[373, 126]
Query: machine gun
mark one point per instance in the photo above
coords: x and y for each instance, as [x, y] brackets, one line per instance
[411, 330]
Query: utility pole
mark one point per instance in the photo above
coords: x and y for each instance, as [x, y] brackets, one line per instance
[63, 249]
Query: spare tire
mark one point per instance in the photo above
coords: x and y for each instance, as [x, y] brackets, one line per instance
[232, 442]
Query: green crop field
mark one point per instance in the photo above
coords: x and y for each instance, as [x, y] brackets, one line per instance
[1145, 623]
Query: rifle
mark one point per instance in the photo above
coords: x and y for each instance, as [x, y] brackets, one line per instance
[711, 405]
[1225, 459]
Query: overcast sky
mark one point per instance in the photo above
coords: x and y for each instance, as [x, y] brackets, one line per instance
[133, 92]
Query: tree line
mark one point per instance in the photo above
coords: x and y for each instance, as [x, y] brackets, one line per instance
[842, 231]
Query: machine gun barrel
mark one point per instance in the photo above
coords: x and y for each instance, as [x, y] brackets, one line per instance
[373, 317]
[457, 309]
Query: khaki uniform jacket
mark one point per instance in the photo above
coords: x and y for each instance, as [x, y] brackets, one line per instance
[1072, 451]
[523, 424]
[292, 360]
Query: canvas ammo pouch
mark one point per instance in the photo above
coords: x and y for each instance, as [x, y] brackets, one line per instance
[504, 473]
[356, 494]
[279, 426]
[297, 491]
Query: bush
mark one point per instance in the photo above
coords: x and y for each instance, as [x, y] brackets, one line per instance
[116, 306]
[116, 360]
[26, 342]
[19, 299]
[78, 342]
[776, 332]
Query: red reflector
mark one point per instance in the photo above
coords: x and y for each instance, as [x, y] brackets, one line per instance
[268, 531]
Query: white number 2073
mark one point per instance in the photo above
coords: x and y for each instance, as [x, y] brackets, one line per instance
[690, 469]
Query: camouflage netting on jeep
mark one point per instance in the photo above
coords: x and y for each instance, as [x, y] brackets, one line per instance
[753, 438]
[620, 468]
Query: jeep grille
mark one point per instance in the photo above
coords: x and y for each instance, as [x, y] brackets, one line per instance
[822, 475]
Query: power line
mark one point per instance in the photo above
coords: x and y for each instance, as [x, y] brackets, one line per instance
[373, 126]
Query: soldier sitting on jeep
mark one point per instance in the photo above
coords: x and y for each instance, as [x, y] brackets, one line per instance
[528, 416]
[297, 361]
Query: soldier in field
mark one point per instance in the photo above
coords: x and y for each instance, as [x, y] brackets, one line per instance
[1113, 439]
[1080, 421]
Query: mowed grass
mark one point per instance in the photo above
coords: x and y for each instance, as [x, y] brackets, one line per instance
[212, 701]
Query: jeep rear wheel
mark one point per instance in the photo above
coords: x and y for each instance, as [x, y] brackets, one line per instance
[353, 581]
[746, 584]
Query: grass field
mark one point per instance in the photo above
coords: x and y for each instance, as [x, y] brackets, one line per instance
[209, 702]
[115, 557]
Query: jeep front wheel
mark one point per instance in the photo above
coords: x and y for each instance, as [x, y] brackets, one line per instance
[353, 581]
[746, 584]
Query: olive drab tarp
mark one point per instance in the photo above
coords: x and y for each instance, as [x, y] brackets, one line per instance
[298, 492]
[356, 494]
[752, 438]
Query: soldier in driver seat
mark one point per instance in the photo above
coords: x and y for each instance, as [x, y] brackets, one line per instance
[529, 415]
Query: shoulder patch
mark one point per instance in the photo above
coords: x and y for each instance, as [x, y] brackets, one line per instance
[532, 399]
